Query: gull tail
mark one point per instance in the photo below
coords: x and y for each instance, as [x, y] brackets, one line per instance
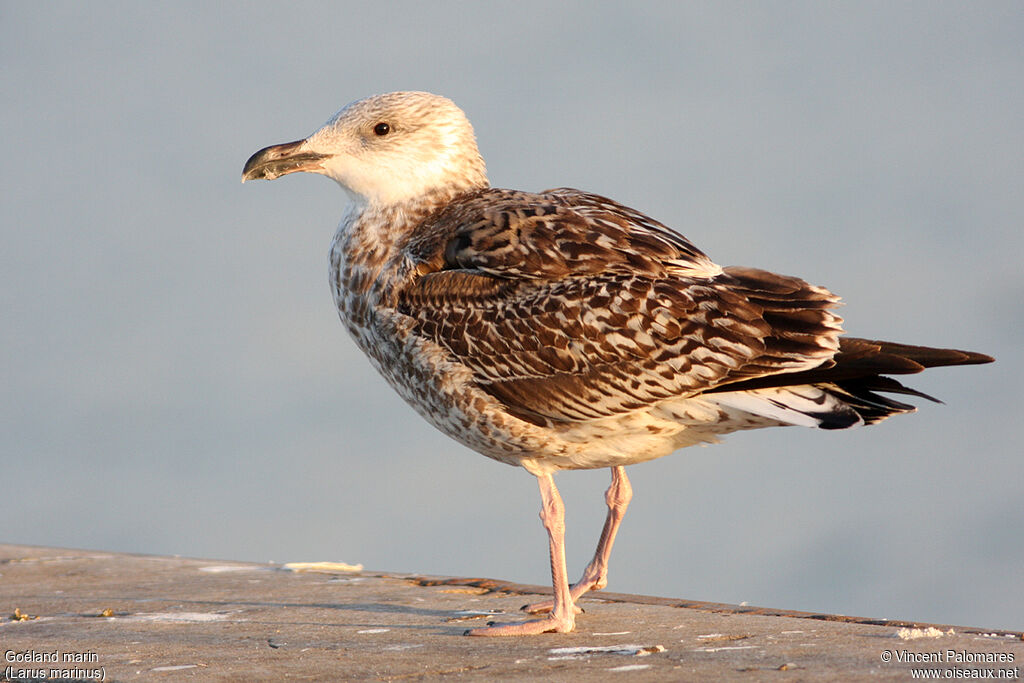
[843, 392]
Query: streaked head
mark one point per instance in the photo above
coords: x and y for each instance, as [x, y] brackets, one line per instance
[384, 150]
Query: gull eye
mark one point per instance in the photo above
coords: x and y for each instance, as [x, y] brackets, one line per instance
[382, 128]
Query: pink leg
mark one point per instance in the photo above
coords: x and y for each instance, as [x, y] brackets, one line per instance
[595, 576]
[563, 616]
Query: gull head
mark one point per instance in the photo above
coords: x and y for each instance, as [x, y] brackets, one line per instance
[385, 150]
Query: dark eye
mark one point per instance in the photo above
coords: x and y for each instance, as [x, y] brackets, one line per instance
[382, 128]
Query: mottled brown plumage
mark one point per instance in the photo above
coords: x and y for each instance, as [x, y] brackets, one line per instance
[562, 330]
[567, 306]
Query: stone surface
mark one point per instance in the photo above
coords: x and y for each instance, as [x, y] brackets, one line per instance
[135, 617]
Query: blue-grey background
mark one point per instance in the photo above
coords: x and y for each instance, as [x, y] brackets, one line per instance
[175, 380]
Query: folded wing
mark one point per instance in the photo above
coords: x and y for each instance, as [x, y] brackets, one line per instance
[570, 307]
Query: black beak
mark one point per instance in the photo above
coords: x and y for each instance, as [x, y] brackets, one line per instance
[278, 160]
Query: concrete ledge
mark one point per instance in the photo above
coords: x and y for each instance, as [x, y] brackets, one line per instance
[137, 617]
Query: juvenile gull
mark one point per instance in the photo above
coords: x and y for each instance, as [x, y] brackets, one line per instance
[562, 330]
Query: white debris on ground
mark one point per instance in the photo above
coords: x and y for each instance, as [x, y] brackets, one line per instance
[321, 567]
[915, 633]
[579, 652]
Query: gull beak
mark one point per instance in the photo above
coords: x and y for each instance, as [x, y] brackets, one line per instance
[278, 160]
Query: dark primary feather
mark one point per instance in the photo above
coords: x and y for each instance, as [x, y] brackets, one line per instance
[859, 358]
[857, 373]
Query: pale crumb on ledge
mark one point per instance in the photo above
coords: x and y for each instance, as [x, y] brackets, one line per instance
[579, 652]
[322, 567]
[915, 633]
